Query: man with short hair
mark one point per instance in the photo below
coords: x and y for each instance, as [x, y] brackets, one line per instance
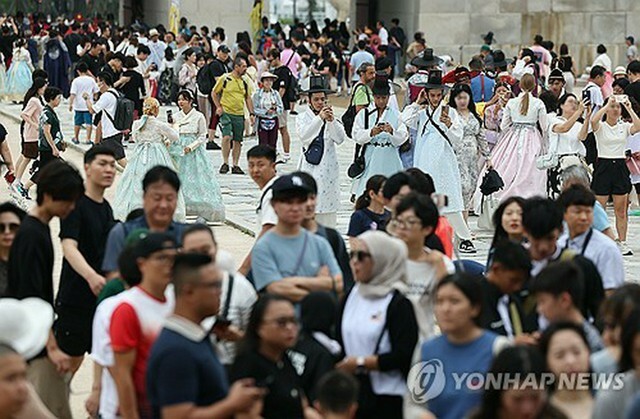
[106, 107]
[633, 89]
[261, 161]
[558, 290]
[481, 85]
[230, 94]
[184, 376]
[502, 312]
[594, 87]
[337, 395]
[283, 85]
[580, 236]
[632, 49]
[30, 274]
[80, 85]
[357, 59]
[207, 78]
[93, 58]
[160, 188]
[238, 295]
[288, 260]
[382, 33]
[84, 236]
[137, 321]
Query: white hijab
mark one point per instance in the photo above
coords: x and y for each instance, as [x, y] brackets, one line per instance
[389, 257]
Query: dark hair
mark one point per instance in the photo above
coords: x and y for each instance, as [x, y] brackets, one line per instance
[512, 256]
[620, 303]
[633, 67]
[500, 233]
[61, 181]
[96, 151]
[374, 183]
[82, 67]
[10, 207]
[601, 49]
[537, 39]
[128, 266]
[130, 62]
[550, 101]
[308, 180]
[251, 341]
[553, 328]
[38, 84]
[143, 49]
[468, 285]
[50, 93]
[238, 61]
[576, 195]
[563, 99]
[169, 55]
[185, 269]
[540, 216]
[630, 39]
[395, 20]
[337, 391]
[197, 227]
[558, 278]
[39, 73]
[273, 53]
[621, 83]
[262, 151]
[458, 89]
[161, 174]
[514, 361]
[596, 71]
[630, 329]
[133, 214]
[423, 207]
[188, 52]
[420, 181]
[106, 78]
[186, 95]
[564, 49]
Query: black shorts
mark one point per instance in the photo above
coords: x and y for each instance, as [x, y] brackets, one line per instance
[114, 143]
[30, 149]
[72, 329]
[637, 186]
[611, 177]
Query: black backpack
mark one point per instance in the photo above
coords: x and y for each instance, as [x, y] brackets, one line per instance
[122, 119]
[204, 80]
[349, 117]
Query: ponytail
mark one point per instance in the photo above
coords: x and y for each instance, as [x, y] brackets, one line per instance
[527, 84]
[363, 201]
[374, 184]
[524, 105]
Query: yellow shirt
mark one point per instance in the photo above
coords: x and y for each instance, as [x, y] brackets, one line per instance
[234, 93]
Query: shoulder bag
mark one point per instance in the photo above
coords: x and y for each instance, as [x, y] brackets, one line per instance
[357, 167]
[313, 154]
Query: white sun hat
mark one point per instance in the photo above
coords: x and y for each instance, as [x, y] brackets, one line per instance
[25, 324]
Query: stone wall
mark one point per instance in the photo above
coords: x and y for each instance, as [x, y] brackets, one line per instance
[581, 24]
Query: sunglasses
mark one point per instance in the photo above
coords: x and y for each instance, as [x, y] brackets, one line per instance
[9, 227]
[360, 255]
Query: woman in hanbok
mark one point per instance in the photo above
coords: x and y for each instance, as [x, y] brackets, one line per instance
[493, 112]
[200, 188]
[19, 74]
[319, 120]
[514, 157]
[439, 127]
[381, 130]
[151, 137]
[472, 149]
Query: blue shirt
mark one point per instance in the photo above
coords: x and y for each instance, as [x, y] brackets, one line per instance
[600, 219]
[472, 357]
[356, 61]
[476, 88]
[118, 236]
[184, 368]
[275, 257]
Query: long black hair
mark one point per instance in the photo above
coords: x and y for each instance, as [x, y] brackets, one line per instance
[458, 89]
[630, 329]
[500, 233]
[251, 341]
[374, 184]
[38, 83]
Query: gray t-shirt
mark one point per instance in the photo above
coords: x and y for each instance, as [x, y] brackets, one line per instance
[275, 257]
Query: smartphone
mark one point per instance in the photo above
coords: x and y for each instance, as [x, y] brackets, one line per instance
[441, 200]
[586, 96]
[170, 116]
[445, 110]
[620, 98]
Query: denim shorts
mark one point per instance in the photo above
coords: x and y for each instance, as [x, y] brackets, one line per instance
[82, 118]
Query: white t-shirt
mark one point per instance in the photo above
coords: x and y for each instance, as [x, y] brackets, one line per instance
[567, 142]
[267, 215]
[611, 141]
[107, 103]
[79, 86]
[421, 283]
[384, 36]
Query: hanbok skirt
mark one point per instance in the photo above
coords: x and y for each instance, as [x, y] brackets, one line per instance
[200, 187]
[129, 194]
[18, 80]
[514, 158]
[382, 159]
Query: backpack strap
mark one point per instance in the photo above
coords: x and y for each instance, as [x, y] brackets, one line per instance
[227, 300]
[111, 118]
[266, 191]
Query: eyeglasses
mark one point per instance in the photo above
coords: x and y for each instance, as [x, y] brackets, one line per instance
[360, 255]
[409, 223]
[9, 227]
[283, 322]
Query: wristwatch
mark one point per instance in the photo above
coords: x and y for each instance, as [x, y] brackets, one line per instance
[360, 367]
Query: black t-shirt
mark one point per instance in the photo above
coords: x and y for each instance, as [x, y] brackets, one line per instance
[3, 133]
[133, 89]
[6, 45]
[31, 261]
[115, 76]
[72, 41]
[633, 90]
[314, 360]
[95, 64]
[218, 68]
[89, 224]
[284, 396]
[365, 220]
[284, 81]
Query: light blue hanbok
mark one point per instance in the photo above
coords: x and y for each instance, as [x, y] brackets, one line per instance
[151, 137]
[200, 186]
[381, 156]
[19, 75]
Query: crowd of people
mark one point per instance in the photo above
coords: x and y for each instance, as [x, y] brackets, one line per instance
[312, 325]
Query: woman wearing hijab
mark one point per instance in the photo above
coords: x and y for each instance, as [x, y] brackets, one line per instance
[377, 326]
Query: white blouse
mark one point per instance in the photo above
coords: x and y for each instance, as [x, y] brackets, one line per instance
[566, 142]
[192, 124]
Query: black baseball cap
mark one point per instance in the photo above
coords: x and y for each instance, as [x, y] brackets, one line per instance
[224, 48]
[154, 242]
[290, 186]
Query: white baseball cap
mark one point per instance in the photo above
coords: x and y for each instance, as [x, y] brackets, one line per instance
[25, 324]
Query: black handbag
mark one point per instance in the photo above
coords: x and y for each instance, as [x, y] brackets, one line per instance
[313, 154]
[357, 167]
[491, 182]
